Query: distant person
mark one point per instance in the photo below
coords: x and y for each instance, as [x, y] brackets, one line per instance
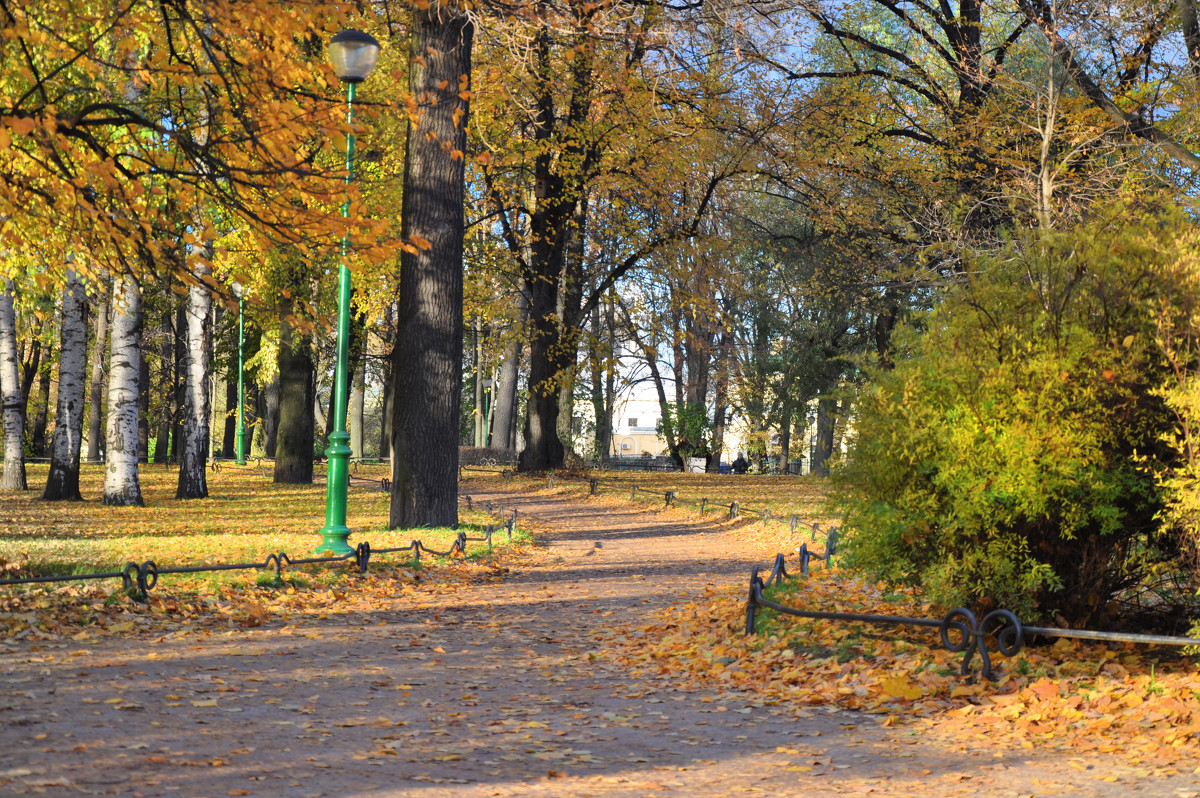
[740, 465]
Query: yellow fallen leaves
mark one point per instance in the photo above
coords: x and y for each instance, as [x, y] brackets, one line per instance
[1066, 696]
[901, 687]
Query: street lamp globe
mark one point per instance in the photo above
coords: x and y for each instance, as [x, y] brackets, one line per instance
[353, 54]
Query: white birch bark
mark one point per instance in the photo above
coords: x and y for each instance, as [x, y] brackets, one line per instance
[358, 401]
[13, 477]
[193, 481]
[63, 482]
[121, 484]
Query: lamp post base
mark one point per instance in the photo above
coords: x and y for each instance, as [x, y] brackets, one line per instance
[337, 484]
[333, 542]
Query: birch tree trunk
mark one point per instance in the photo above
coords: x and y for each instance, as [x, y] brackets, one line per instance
[121, 485]
[427, 360]
[358, 405]
[96, 401]
[63, 482]
[13, 477]
[193, 483]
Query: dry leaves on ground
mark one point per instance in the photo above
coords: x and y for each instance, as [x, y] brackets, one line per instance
[1143, 703]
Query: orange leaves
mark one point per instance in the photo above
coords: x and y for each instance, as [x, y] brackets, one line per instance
[1049, 696]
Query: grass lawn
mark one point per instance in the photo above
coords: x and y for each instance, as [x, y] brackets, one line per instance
[245, 518]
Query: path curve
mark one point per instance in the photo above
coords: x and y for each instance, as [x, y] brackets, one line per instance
[506, 691]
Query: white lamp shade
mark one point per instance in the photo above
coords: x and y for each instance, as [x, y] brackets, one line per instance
[353, 54]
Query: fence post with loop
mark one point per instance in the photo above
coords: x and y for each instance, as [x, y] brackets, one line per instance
[667, 497]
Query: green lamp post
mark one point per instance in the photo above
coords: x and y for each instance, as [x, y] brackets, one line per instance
[240, 436]
[352, 54]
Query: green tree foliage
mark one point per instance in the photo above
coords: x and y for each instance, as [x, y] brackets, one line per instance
[1010, 458]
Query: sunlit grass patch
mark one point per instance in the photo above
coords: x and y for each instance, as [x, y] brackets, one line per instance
[246, 519]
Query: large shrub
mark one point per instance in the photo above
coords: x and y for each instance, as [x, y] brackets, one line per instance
[1014, 455]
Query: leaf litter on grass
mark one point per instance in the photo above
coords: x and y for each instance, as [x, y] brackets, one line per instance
[246, 518]
[1061, 696]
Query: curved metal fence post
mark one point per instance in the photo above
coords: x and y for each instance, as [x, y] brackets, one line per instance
[733, 509]
[633, 493]
[703, 503]
[667, 496]
[592, 485]
[362, 555]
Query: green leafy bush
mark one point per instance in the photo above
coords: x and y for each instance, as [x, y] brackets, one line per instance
[1013, 457]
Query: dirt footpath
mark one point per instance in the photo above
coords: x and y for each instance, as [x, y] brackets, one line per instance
[504, 692]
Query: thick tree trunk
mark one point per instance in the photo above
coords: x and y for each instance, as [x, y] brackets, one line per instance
[13, 477]
[96, 400]
[885, 323]
[826, 416]
[121, 485]
[1191, 33]
[166, 388]
[63, 481]
[427, 360]
[296, 433]
[543, 448]
[193, 479]
[271, 419]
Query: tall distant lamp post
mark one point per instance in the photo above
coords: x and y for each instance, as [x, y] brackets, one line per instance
[240, 436]
[352, 54]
